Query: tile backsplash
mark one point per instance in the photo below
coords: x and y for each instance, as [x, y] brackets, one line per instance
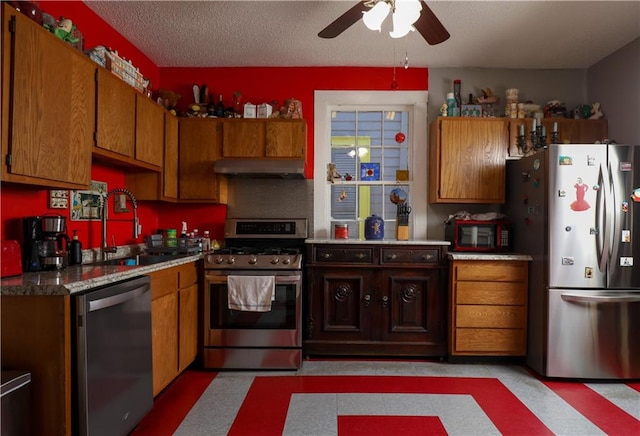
[271, 198]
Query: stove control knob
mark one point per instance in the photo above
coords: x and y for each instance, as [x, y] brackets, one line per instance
[253, 260]
[218, 259]
[274, 260]
[286, 260]
[231, 260]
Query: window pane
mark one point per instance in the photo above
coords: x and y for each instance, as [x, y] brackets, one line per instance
[368, 148]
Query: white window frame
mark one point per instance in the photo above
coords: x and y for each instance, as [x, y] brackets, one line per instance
[327, 101]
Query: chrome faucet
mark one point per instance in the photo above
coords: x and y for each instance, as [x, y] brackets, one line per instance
[105, 248]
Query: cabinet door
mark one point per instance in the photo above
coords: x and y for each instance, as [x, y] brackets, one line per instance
[47, 136]
[341, 305]
[199, 148]
[468, 160]
[286, 138]
[411, 303]
[244, 138]
[170, 171]
[188, 326]
[116, 115]
[164, 322]
[149, 131]
[151, 185]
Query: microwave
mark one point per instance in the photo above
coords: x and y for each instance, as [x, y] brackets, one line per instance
[469, 235]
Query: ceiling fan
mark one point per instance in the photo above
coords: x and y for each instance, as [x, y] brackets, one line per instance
[427, 24]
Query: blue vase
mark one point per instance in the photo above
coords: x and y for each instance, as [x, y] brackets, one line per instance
[373, 227]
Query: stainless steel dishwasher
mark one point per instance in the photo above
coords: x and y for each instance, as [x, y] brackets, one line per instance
[113, 388]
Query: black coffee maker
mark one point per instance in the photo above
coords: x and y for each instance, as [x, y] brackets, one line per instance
[43, 243]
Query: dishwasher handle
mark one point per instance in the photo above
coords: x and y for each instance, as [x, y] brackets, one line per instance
[622, 298]
[113, 300]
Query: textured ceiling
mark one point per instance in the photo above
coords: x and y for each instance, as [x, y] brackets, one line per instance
[498, 34]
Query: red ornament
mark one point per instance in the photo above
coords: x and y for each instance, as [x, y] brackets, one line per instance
[400, 137]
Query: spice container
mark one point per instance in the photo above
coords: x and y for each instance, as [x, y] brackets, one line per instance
[341, 231]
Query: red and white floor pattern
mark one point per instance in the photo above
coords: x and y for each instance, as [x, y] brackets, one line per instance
[349, 398]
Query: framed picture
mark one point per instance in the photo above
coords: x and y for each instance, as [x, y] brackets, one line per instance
[370, 171]
[86, 205]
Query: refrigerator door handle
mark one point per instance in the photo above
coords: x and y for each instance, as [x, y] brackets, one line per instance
[621, 298]
[601, 220]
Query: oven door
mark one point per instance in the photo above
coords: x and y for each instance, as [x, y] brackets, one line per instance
[280, 327]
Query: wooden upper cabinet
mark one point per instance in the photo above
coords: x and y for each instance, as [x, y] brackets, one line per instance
[286, 138]
[170, 170]
[244, 138]
[151, 185]
[116, 115]
[570, 131]
[200, 145]
[149, 130]
[48, 119]
[264, 138]
[467, 159]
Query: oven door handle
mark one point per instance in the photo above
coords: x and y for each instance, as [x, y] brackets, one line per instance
[279, 279]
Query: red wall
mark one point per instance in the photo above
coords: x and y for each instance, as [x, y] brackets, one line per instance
[265, 84]
[257, 85]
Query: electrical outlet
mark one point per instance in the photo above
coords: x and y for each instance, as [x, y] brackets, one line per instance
[58, 199]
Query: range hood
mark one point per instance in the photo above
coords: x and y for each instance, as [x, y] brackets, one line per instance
[261, 168]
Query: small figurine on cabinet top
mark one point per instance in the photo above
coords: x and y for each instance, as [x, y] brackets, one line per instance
[292, 109]
[596, 113]
[168, 99]
[64, 30]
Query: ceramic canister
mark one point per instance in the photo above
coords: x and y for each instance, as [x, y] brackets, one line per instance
[373, 227]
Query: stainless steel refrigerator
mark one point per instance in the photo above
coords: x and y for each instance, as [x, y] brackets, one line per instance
[575, 208]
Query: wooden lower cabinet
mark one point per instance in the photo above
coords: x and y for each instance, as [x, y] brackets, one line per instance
[36, 337]
[174, 309]
[370, 300]
[488, 307]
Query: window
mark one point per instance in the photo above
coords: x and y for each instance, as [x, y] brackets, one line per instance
[357, 133]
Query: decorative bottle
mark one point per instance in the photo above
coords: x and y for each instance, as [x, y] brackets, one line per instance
[220, 107]
[452, 109]
[206, 242]
[75, 250]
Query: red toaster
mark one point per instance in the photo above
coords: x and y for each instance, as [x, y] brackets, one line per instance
[10, 259]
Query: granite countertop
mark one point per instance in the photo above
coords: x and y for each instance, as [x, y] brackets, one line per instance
[80, 278]
[454, 255]
[377, 241]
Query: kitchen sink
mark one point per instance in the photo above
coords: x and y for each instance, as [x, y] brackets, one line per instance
[140, 260]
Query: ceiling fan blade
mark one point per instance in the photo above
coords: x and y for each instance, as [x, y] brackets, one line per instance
[430, 27]
[344, 21]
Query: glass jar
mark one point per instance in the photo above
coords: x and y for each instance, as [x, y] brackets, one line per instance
[341, 231]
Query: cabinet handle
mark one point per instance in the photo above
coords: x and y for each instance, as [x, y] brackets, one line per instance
[360, 255]
[367, 300]
[326, 255]
[385, 301]
[427, 257]
[392, 257]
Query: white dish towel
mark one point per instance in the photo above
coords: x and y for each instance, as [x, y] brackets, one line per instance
[251, 293]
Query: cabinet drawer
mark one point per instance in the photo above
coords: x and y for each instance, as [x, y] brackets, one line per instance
[491, 316]
[341, 255]
[188, 275]
[497, 271]
[494, 293]
[419, 256]
[498, 341]
[163, 282]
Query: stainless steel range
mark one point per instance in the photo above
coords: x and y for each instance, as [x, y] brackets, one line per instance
[260, 256]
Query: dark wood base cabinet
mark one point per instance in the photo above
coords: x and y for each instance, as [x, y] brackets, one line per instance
[382, 300]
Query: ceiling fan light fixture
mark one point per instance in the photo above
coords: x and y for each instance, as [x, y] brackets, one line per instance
[374, 17]
[405, 14]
